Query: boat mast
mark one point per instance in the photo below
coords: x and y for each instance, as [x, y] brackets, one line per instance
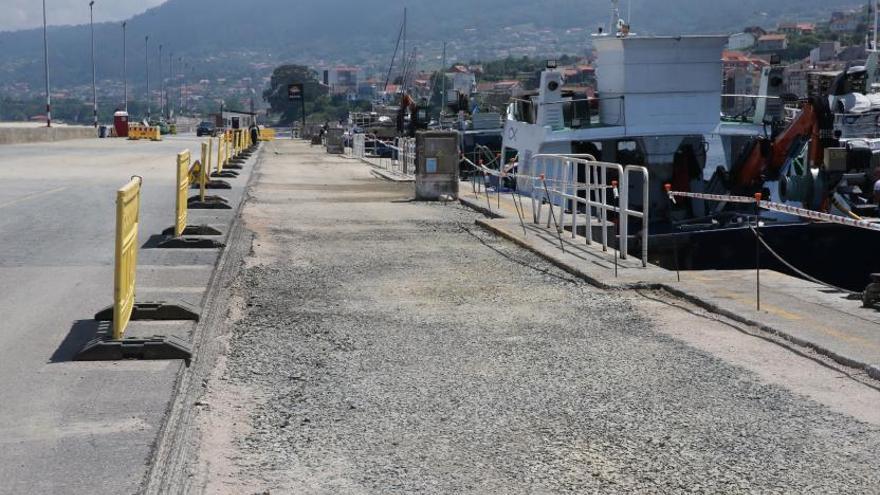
[615, 17]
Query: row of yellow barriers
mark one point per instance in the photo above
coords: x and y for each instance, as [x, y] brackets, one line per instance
[267, 135]
[139, 131]
[230, 145]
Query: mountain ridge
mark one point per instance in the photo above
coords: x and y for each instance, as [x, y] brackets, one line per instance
[221, 33]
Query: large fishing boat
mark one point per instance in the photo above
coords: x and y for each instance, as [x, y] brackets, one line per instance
[658, 105]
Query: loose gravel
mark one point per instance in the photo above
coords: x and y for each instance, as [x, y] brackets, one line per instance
[397, 348]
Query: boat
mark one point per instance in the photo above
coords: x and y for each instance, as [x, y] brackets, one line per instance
[658, 105]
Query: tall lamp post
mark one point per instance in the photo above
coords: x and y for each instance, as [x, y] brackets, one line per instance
[147, 65]
[46, 57]
[94, 71]
[169, 101]
[161, 87]
[124, 69]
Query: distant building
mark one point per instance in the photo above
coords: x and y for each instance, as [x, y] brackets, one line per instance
[460, 82]
[579, 75]
[342, 80]
[772, 43]
[741, 41]
[825, 52]
[843, 22]
[797, 28]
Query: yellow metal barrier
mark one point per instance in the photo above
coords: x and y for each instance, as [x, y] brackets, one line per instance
[183, 162]
[128, 200]
[221, 152]
[205, 169]
[137, 131]
[267, 134]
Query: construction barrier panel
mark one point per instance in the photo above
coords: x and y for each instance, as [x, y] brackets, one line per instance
[128, 201]
[136, 132]
[267, 134]
[183, 162]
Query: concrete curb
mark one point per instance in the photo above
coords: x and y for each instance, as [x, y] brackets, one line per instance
[872, 371]
[382, 174]
[165, 471]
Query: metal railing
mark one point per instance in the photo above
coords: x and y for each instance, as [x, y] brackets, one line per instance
[605, 192]
[403, 153]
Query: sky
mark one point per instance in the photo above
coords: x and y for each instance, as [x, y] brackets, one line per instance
[24, 14]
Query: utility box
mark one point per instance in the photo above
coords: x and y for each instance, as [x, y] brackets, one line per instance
[335, 141]
[437, 161]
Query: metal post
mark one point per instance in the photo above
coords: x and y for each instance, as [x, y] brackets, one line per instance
[147, 65]
[124, 68]
[553, 214]
[94, 70]
[443, 96]
[180, 86]
[758, 250]
[169, 102]
[303, 103]
[46, 58]
[161, 87]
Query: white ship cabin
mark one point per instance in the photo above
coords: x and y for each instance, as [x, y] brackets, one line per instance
[658, 105]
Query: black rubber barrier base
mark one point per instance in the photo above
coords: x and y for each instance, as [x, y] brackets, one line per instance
[189, 243]
[194, 230]
[237, 161]
[226, 174]
[158, 347]
[214, 184]
[210, 203]
[155, 311]
[234, 166]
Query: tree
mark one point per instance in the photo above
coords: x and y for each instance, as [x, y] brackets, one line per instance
[276, 95]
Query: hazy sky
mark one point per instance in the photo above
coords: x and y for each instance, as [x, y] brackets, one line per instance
[23, 14]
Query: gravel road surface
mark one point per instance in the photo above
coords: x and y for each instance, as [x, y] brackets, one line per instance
[377, 345]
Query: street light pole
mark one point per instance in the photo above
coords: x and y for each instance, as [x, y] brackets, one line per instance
[46, 57]
[147, 65]
[124, 69]
[169, 102]
[181, 84]
[161, 86]
[94, 70]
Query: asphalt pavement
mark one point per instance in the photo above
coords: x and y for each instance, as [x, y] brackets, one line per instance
[86, 427]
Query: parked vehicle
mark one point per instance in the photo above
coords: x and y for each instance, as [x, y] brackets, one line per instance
[206, 128]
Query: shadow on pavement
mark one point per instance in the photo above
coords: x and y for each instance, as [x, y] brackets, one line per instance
[82, 332]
